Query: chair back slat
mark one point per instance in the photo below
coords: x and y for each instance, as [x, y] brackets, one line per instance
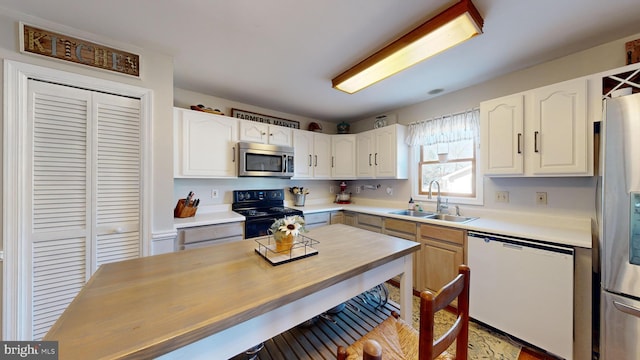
[458, 288]
[430, 304]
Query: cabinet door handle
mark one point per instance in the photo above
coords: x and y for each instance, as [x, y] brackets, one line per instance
[233, 154]
[284, 162]
[375, 157]
[535, 141]
[332, 161]
[316, 158]
[369, 159]
[519, 143]
[309, 160]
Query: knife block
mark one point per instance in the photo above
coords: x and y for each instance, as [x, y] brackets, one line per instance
[183, 211]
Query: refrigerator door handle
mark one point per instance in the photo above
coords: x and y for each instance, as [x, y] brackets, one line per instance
[628, 309]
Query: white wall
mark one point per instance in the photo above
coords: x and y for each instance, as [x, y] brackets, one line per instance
[318, 189]
[185, 98]
[597, 59]
[156, 74]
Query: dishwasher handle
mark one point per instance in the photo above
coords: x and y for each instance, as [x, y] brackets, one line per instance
[517, 243]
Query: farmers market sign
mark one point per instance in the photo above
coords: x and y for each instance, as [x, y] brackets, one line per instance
[246, 115]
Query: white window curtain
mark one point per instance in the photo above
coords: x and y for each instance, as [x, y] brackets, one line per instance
[445, 129]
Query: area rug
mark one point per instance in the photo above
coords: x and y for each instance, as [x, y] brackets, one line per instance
[483, 343]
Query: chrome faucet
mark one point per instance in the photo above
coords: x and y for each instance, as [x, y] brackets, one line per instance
[439, 206]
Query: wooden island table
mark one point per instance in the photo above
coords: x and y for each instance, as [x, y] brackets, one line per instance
[218, 301]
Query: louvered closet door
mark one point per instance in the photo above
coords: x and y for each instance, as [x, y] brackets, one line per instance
[118, 190]
[84, 203]
[60, 199]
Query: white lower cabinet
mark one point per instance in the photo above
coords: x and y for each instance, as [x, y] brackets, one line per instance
[207, 235]
[317, 219]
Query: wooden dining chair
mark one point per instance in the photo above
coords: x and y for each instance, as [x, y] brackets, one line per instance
[395, 339]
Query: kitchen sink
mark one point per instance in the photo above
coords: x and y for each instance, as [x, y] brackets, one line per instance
[413, 213]
[432, 215]
[449, 217]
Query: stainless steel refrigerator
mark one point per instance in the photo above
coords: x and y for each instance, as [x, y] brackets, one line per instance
[620, 230]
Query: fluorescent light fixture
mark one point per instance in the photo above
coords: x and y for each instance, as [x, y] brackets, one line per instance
[451, 27]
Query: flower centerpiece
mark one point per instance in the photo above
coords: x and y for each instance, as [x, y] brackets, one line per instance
[285, 231]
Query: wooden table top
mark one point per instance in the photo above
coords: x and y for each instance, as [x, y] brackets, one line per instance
[147, 307]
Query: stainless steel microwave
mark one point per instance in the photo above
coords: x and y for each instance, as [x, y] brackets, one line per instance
[265, 160]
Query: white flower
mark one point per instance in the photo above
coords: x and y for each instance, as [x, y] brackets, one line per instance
[289, 225]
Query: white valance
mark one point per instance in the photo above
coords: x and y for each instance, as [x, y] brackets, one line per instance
[445, 129]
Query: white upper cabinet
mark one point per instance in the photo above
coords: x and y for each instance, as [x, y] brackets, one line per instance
[312, 155]
[204, 145]
[365, 149]
[303, 154]
[541, 132]
[252, 131]
[343, 157]
[560, 127]
[502, 131]
[382, 153]
[321, 156]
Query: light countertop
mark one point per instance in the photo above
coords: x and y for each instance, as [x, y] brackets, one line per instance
[570, 231]
[209, 216]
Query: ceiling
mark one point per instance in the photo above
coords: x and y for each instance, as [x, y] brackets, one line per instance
[282, 54]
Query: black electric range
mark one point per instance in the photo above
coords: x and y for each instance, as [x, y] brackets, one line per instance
[260, 208]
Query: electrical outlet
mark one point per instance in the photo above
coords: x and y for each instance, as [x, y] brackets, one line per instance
[541, 198]
[502, 196]
[357, 189]
[214, 193]
[331, 189]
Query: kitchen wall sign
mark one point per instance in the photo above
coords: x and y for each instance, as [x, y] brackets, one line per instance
[50, 44]
[246, 115]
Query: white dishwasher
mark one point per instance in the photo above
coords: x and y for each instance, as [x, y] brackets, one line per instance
[524, 288]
